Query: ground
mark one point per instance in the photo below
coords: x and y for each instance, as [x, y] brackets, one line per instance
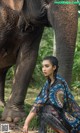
[17, 128]
[14, 128]
[29, 100]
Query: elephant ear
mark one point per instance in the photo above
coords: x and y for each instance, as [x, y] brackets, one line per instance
[14, 4]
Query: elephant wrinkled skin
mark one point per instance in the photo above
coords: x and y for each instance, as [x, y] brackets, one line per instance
[21, 27]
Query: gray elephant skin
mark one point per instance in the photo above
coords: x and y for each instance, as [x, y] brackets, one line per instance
[21, 26]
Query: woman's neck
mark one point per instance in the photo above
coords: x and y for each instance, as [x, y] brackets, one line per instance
[52, 78]
[52, 81]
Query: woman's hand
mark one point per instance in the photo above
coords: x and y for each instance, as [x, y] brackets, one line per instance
[27, 121]
[25, 128]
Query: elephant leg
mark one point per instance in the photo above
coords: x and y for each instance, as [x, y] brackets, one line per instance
[2, 85]
[26, 61]
[63, 19]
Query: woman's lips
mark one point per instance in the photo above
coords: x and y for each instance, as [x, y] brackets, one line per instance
[44, 72]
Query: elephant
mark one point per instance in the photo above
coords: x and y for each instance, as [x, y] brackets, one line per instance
[22, 23]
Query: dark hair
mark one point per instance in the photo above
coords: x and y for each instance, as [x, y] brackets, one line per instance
[54, 61]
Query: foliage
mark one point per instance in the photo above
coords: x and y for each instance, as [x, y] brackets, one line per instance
[46, 48]
[76, 65]
[10, 74]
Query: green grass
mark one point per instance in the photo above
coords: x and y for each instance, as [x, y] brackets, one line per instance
[29, 100]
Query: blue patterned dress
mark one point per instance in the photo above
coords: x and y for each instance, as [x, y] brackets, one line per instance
[61, 102]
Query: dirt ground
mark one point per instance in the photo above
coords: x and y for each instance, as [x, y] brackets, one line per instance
[13, 128]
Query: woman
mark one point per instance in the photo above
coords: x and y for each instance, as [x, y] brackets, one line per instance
[55, 105]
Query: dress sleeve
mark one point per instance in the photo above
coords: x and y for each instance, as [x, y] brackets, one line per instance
[40, 99]
[70, 103]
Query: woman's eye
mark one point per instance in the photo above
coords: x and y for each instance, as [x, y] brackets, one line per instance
[46, 65]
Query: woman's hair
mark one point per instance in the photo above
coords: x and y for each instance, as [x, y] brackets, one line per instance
[54, 62]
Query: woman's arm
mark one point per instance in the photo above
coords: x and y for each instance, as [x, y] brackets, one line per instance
[39, 102]
[30, 116]
[27, 121]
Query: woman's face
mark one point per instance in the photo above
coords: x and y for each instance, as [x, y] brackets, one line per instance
[47, 68]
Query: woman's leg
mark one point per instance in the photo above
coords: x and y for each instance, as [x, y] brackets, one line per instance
[42, 127]
[57, 131]
[50, 117]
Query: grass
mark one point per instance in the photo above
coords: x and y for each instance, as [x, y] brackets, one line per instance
[29, 100]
